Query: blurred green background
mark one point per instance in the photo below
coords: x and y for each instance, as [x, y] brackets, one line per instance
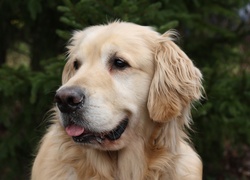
[214, 34]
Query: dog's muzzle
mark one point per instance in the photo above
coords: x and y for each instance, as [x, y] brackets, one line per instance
[70, 101]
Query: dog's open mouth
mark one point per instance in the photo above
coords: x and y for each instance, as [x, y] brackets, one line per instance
[81, 135]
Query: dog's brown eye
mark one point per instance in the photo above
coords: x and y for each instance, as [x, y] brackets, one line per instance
[120, 64]
[76, 64]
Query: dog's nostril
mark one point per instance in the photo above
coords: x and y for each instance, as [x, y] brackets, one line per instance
[69, 99]
[74, 100]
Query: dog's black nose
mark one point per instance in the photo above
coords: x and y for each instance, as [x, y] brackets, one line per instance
[69, 99]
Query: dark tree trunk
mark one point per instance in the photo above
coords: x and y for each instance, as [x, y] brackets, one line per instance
[2, 55]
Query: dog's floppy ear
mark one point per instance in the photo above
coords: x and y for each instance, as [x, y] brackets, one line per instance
[176, 82]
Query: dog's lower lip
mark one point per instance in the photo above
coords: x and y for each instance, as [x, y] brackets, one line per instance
[87, 138]
[112, 135]
[116, 134]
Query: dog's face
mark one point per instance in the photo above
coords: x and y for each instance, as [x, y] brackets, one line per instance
[109, 85]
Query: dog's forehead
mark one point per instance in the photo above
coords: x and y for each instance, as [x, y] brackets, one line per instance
[128, 32]
[119, 34]
[118, 30]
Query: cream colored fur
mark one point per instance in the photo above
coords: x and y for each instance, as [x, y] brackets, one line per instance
[155, 92]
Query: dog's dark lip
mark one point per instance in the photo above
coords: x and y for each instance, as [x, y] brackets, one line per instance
[118, 131]
[115, 134]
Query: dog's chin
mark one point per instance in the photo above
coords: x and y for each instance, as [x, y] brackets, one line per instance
[107, 140]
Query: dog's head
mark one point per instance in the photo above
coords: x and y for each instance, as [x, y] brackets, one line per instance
[117, 77]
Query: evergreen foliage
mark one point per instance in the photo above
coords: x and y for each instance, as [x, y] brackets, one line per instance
[211, 33]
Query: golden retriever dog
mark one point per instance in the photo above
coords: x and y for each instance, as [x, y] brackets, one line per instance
[122, 109]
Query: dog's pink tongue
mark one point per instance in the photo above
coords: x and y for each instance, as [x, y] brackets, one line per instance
[74, 130]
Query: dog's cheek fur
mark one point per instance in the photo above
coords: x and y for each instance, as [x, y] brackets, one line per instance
[176, 82]
[68, 72]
